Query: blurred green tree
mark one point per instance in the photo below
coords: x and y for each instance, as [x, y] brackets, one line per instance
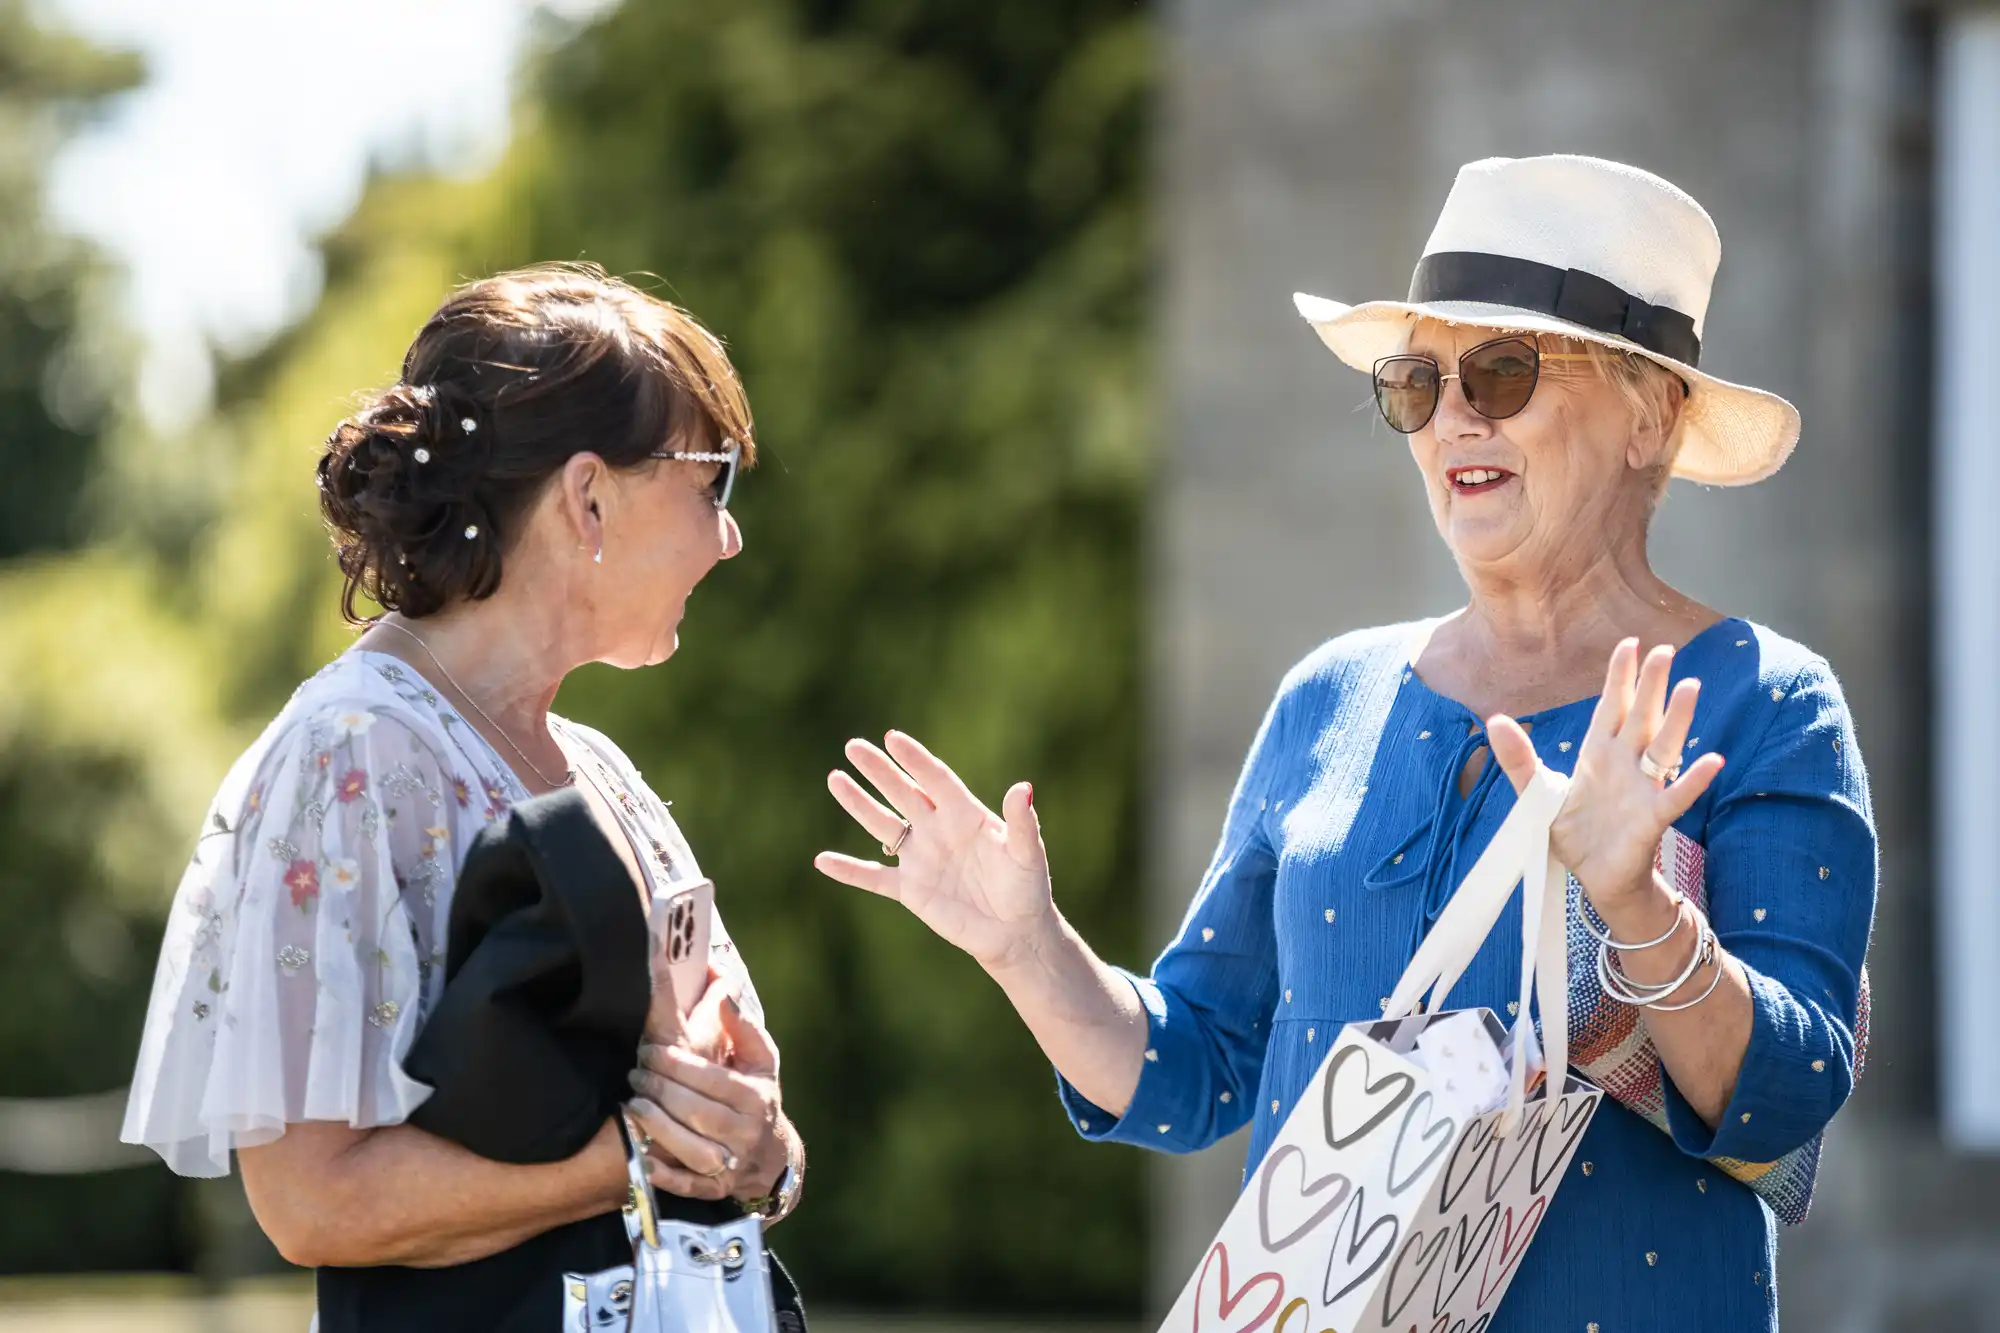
[921, 225]
[90, 823]
[58, 377]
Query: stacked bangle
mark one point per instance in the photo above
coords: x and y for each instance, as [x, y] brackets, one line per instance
[1651, 995]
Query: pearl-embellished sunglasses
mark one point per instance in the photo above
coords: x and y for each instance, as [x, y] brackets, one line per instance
[724, 484]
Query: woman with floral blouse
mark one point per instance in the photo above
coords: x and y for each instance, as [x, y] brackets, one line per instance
[543, 488]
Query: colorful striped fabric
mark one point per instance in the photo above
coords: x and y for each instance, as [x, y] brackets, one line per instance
[1611, 1048]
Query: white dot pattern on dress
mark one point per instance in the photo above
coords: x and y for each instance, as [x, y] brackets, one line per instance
[1225, 1097]
[1152, 1055]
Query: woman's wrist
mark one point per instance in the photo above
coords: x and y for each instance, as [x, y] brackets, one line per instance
[1036, 951]
[778, 1194]
[606, 1155]
[1640, 909]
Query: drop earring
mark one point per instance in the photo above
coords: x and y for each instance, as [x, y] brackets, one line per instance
[598, 559]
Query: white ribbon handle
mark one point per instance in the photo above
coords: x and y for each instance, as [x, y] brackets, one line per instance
[1519, 853]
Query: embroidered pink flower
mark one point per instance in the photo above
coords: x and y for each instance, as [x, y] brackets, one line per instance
[325, 760]
[462, 792]
[303, 880]
[353, 785]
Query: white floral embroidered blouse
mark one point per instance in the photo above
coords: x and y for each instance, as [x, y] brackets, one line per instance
[306, 944]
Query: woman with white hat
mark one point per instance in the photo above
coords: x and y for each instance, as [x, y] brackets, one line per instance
[1544, 370]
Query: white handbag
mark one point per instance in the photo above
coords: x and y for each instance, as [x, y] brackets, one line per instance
[683, 1278]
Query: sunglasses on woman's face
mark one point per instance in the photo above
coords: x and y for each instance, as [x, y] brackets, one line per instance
[724, 484]
[1498, 379]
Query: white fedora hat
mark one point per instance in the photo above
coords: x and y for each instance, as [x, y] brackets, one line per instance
[1587, 249]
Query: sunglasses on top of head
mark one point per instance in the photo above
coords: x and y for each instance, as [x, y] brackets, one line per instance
[724, 484]
[1498, 378]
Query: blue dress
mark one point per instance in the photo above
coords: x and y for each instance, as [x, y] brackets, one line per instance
[1344, 840]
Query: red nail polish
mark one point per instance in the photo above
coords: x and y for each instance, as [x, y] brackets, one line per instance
[1031, 793]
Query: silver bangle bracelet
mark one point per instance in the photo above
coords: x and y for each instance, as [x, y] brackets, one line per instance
[1603, 937]
[1646, 994]
[1713, 982]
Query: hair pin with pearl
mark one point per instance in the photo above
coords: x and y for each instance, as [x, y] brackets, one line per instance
[468, 425]
[421, 454]
[471, 531]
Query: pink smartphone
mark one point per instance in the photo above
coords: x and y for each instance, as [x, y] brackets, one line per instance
[679, 926]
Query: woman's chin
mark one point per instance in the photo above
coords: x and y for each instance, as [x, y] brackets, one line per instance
[1479, 543]
[666, 645]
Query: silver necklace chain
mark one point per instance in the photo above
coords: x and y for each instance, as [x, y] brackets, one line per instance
[569, 775]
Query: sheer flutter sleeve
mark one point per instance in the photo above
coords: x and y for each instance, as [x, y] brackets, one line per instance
[304, 943]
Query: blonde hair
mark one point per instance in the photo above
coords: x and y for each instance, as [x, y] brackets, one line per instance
[1641, 381]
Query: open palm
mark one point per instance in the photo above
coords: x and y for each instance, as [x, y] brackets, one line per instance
[1615, 814]
[980, 880]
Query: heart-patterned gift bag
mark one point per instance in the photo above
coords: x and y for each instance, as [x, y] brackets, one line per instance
[1415, 1170]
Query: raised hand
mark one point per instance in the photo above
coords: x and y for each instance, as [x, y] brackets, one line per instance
[979, 880]
[1617, 810]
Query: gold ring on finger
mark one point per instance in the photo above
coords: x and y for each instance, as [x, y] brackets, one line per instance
[893, 848]
[1651, 768]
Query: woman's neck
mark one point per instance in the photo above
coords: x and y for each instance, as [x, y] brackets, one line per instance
[504, 663]
[1531, 640]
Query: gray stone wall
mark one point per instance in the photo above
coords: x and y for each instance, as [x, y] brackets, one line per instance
[1308, 145]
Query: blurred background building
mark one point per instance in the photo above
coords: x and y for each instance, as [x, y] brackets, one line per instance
[1055, 478]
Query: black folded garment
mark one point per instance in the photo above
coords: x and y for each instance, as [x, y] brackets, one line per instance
[547, 986]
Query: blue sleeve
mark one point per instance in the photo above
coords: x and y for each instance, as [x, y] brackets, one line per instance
[1791, 875]
[1210, 997]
